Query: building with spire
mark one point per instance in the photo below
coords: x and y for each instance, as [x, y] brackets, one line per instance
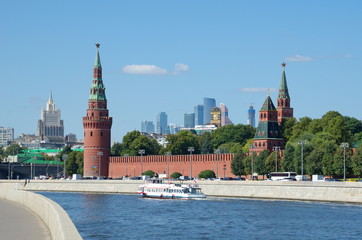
[50, 124]
[268, 135]
[284, 110]
[97, 126]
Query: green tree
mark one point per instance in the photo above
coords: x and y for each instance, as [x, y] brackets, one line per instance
[288, 160]
[313, 162]
[179, 143]
[176, 175]
[134, 141]
[71, 163]
[2, 154]
[286, 127]
[260, 166]
[357, 161]
[205, 143]
[237, 164]
[116, 149]
[338, 162]
[300, 128]
[230, 147]
[207, 174]
[353, 125]
[271, 161]
[79, 160]
[232, 133]
[150, 173]
[13, 149]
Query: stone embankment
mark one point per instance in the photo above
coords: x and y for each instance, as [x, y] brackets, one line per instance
[59, 224]
[349, 192]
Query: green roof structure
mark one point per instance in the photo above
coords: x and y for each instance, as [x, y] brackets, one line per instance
[283, 90]
[97, 91]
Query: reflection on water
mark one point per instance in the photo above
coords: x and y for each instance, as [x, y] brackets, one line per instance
[118, 216]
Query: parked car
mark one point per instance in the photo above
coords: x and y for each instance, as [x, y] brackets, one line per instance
[228, 178]
[239, 179]
[331, 180]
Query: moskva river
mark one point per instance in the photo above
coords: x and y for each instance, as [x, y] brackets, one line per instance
[119, 216]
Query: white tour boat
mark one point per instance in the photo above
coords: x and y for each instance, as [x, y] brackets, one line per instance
[156, 188]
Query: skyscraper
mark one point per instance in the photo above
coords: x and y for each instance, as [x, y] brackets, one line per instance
[189, 120]
[161, 124]
[199, 114]
[97, 126]
[225, 120]
[251, 116]
[6, 135]
[147, 126]
[215, 116]
[209, 103]
[50, 124]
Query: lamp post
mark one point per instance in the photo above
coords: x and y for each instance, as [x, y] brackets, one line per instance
[276, 149]
[302, 143]
[168, 163]
[141, 152]
[100, 154]
[191, 149]
[93, 167]
[252, 160]
[344, 146]
[217, 152]
[126, 155]
[64, 157]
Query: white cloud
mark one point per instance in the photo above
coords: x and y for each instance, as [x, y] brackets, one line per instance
[144, 69]
[258, 90]
[154, 70]
[298, 58]
[181, 67]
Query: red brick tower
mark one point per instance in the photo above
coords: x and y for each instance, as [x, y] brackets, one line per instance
[97, 127]
[284, 109]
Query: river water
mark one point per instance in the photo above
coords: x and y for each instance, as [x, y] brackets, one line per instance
[119, 216]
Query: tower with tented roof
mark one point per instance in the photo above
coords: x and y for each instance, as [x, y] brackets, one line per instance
[284, 110]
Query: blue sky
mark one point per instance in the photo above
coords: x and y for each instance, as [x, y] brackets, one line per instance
[169, 55]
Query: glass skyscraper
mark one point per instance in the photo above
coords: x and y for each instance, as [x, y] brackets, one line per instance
[189, 120]
[161, 124]
[251, 116]
[199, 114]
[209, 103]
[147, 126]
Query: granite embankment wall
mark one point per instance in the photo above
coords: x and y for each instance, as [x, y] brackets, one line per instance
[350, 192]
[54, 216]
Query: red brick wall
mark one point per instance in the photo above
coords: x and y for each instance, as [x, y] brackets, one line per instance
[131, 166]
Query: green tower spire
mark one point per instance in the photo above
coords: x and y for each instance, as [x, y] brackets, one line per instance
[97, 91]
[283, 90]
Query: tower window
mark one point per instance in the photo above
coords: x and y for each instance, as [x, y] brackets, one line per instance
[101, 134]
[91, 134]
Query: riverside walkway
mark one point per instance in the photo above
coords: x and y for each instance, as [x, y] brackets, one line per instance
[17, 222]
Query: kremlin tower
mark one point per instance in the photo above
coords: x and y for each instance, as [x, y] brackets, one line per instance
[284, 109]
[97, 127]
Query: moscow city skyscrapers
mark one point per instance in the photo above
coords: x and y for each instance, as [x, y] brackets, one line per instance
[147, 126]
[209, 103]
[199, 114]
[161, 123]
[189, 120]
[225, 120]
[251, 117]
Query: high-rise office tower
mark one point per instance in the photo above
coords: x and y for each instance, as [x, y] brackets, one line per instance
[97, 126]
[189, 120]
[209, 103]
[147, 126]
[215, 116]
[251, 116]
[50, 124]
[161, 124]
[199, 114]
[6, 135]
[225, 120]
[284, 109]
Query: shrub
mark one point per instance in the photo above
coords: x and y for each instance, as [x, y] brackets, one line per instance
[150, 173]
[176, 175]
[207, 174]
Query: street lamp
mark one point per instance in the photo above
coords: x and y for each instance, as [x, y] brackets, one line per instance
[302, 143]
[141, 152]
[252, 160]
[191, 149]
[168, 163]
[344, 146]
[126, 155]
[217, 152]
[100, 164]
[64, 157]
[276, 149]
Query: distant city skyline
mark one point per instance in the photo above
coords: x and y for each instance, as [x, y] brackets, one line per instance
[166, 56]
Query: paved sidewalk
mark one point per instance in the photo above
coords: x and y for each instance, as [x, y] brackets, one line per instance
[17, 222]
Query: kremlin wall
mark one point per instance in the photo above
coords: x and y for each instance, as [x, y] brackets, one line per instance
[97, 139]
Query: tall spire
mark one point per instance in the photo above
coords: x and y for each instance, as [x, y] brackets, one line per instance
[283, 90]
[97, 91]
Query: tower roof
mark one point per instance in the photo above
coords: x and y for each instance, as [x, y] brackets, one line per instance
[268, 105]
[283, 90]
[97, 91]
